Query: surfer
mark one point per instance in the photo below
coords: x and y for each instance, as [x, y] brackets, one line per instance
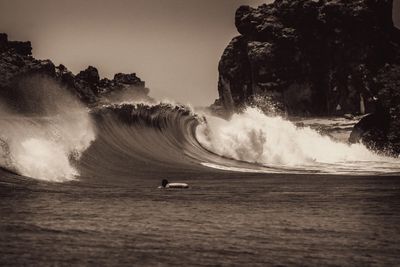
[166, 184]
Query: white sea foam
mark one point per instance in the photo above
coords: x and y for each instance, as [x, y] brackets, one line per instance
[273, 141]
[45, 146]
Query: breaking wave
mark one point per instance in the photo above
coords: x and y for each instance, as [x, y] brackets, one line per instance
[128, 141]
[272, 141]
[158, 140]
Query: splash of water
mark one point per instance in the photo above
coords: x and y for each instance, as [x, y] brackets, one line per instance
[44, 141]
[273, 141]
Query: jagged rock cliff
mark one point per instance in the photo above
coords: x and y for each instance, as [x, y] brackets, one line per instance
[17, 63]
[312, 57]
[305, 57]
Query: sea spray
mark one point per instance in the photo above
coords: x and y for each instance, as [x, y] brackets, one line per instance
[44, 140]
[271, 140]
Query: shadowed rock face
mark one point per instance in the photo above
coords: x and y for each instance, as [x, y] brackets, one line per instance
[17, 63]
[381, 129]
[326, 57]
[312, 57]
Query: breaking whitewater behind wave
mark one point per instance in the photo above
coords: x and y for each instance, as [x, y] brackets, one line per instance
[278, 144]
[57, 139]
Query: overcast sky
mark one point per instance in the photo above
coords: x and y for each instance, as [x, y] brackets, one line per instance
[174, 45]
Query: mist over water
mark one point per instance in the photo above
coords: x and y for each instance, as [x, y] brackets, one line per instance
[44, 132]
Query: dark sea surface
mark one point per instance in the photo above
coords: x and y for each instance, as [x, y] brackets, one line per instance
[223, 219]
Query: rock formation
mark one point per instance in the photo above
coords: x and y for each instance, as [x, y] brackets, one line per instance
[16, 63]
[305, 57]
[380, 130]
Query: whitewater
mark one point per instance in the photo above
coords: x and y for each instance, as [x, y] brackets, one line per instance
[44, 133]
[274, 142]
[50, 147]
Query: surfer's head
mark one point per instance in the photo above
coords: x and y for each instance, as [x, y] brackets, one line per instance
[164, 182]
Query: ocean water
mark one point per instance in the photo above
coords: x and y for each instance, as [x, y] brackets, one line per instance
[224, 219]
[83, 189]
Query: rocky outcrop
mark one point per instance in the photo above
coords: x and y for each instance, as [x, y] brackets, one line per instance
[381, 129]
[309, 57]
[17, 63]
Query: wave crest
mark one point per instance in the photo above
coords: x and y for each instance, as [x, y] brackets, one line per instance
[121, 142]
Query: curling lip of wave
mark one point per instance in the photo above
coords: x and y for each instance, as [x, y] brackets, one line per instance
[144, 140]
[174, 137]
